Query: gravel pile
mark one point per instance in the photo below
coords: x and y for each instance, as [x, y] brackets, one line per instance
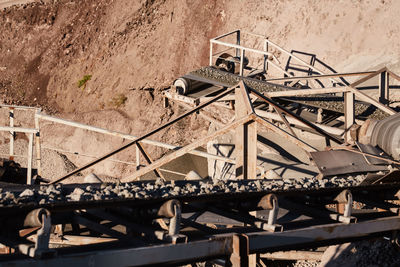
[50, 194]
[365, 253]
[320, 101]
[306, 264]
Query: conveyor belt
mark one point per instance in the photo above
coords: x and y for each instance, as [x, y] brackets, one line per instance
[325, 101]
[74, 196]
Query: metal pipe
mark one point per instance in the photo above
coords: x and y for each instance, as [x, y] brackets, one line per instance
[18, 129]
[29, 158]
[12, 133]
[129, 137]
[143, 137]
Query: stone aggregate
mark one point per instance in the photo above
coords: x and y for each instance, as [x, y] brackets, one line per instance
[50, 194]
[318, 101]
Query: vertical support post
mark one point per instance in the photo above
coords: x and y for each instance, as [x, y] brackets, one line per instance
[384, 87]
[265, 63]
[238, 43]
[348, 113]
[211, 52]
[137, 158]
[38, 147]
[246, 138]
[241, 62]
[250, 150]
[240, 251]
[12, 133]
[30, 156]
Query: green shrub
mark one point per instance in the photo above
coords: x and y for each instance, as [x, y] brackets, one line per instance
[85, 79]
[119, 100]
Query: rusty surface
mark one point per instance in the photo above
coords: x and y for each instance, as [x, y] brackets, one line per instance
[366, 148]
[337, 162]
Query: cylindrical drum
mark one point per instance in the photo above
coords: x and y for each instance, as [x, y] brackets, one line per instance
[185, 86]
[386, 135]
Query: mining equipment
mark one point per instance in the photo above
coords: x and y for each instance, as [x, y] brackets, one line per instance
[239, 214]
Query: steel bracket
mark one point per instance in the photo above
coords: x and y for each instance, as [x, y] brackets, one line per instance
[270, 203]
[345, 204]
[41, 247]
[174, 208]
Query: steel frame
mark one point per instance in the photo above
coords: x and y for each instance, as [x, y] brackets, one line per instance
[139, 232]
[319, 226]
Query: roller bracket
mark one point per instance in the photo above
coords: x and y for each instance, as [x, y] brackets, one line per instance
[345, 204]
[172, 209]
[41, 247]
[270, 203]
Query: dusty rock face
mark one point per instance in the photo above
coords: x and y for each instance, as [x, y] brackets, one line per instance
[132, 49]
[48, 46]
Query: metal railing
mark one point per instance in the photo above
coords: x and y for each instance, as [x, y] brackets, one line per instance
[36, 132]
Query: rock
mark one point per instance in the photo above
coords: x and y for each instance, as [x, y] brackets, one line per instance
[92, 178]
[77, 194]
[27, 193]
[192, 176]
[271, 174]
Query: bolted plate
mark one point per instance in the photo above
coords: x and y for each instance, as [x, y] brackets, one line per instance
[337, 162]
[370, 149]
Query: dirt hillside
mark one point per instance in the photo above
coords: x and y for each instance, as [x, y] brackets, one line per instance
[124, 52]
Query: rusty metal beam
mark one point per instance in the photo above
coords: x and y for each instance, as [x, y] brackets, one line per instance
[149, 160]
[295, 116]
[143, 136]
[240, 251]
[323, 76]
[245, 136]
[313, 235]
[180, 152]
[349, 113]
[298, 142]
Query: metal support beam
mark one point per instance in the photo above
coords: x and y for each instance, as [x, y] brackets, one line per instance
[154, 255]
[238, 42]
[384, 87]
[29, 158]
[38, 147]
[241, 62]
[240, 253]
[348, 113]
[315, 234]
[168, 158]
[12, 134]
[221, 95]
[149, 160]
[246, 137]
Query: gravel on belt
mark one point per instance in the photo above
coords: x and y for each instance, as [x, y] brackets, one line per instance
[322, 101]
[51, 194]
[306, 264]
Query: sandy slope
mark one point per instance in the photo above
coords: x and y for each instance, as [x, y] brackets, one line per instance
[132, 47]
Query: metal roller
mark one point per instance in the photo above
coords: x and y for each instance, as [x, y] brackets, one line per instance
[34, 218]
[184, 85]
[230, 63]
[385, 134]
